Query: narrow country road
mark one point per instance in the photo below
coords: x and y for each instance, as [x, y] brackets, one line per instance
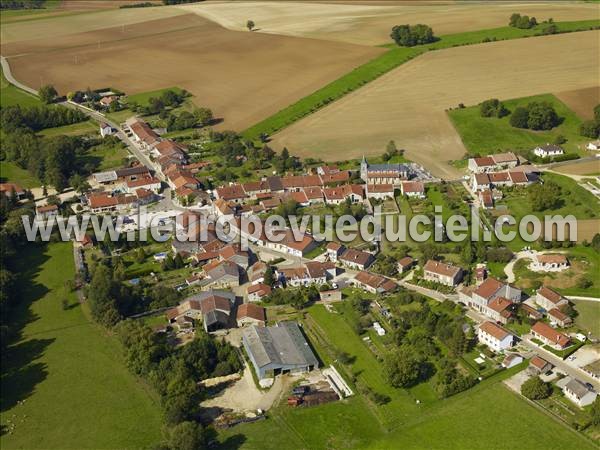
[9, 77]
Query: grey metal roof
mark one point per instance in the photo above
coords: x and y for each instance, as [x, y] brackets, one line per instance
[397, 167]
[105, 177]
[283, 344]
[577, 388]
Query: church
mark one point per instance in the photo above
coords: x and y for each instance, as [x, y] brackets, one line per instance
[383, 173]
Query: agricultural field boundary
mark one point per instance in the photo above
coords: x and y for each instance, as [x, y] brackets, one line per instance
[388, 61]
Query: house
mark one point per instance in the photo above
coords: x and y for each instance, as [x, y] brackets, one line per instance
[550, 336]
[486, 200]
[531, 313]
[488, 180]
[593, 146]
[302, 276]
[256, 272]
[579, 393]
[512, 360]
[46, 211]
[251, 314]
[223, 274]
[380, 191]
[232, 193]
[142, 134]
[439, 272]
[356, 259]
[313, 194]
[593, 369]
[413, 189]
[549, 263]
[495, 337]
[9, 188]
[493, 163]
[556, 316]
[545, 151]
[331, 295]
[108, 100]
[290, 245]
[189, 308]
[493, 298]
[383, 173]
[256, 292]
[278, 349]
[233, 252]
[333, 250]
[539, 366]
[215, 308]
[339, 194]
[373, 283]
[549, 299]
[105, 129]
[149, 183]
[405, 264]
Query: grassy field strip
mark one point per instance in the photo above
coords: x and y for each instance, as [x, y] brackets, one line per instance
[11, 95]
[63, 381]
[383, 64]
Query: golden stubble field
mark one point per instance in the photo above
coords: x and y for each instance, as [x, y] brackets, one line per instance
[369, 23]
[243, 76]
[408, 104]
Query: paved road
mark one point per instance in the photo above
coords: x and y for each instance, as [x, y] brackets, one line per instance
[559, 363]
[9, 77]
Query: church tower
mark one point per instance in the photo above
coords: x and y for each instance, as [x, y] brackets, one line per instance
[364, 168]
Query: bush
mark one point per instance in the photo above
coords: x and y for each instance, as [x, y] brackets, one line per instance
[536, 389]
[493, 108]
[411, 35]
[590, 128]
[519, 117]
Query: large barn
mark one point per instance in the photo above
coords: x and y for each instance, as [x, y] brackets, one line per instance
[279, 349]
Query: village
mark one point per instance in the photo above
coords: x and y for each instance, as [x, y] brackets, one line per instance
[236, 294]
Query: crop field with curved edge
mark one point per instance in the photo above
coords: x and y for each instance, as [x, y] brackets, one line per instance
[408, 104]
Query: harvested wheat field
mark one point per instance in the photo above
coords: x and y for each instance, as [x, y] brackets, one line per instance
[408, 103]
[72, 23]
[243, 77]
[583, 168]
[370, 23]
[581, 101]
[84, 5]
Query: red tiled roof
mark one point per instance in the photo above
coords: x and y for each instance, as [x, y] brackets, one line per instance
[488, 288]
[494, 330]
[441, 268]
[550, 295]
[545, 330]
[252, 311]
[413, 186]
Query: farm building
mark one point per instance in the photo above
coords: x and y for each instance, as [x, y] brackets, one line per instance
[279, 349]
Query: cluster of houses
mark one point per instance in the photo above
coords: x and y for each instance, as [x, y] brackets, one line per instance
[171, 159]
[122, 189]
[328, 184]
[492, 172]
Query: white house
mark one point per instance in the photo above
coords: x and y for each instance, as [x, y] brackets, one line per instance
[549, 299]
[512, 360]
[549, 263]
[579, 393]
[548, 150]
[593, 146]
[496, 338]
[105, 130]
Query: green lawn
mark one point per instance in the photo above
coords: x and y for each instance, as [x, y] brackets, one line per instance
[11, 95]
[10, 172]
[467, 421]
[485, 135]
[382, 64]
[589, 316]
[64, 384]
[143, 97]
[75, 129]
[105, 156]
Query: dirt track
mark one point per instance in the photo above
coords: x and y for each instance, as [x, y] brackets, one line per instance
[370, 23]
[244, 77]
[408, 104]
